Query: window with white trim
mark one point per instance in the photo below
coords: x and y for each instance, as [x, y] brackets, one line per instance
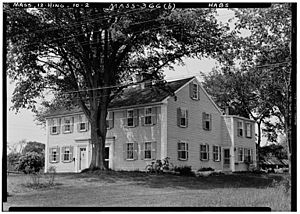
[83, 123]
[206, 123]
[130, 116]
[110, 120]
[130, 151]
[240, 128]
[148, 150]
[204, 152]
[182, 150]
[54, 125]
[217, 153]
[67, 153]
[148, 116]
[54, 155]
[248, 155]
[240, 154]
[182, 117]
[195, 91]
[68, 124]
[248, 130]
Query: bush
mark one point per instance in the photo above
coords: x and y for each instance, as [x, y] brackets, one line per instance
[12, 161]
[30, 163]
[203, 169]
[184, 170]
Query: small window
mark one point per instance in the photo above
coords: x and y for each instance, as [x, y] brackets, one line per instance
[240, 154]
[206, 121]
[248, 155]
[67, 154]
[182, 151]
[182, 117]
[67, 125]
[148, 150]
[129, 151]
[217, 153]
[195, 91]
[130, 122]
[110, 120]
[54, 129]
[54, 125]
[248, 130]
[148, 116]
[204, 152]
[82, 124]
[240, 128]
[54, 155]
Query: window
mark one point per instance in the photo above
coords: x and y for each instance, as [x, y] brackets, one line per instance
[148, 116]
[182, 150]
[129, 151]
[110, 120]
[217, 153]
[248, 155]
[68, 124]
[182, 117]
[83, 123]
[67, 153]
[240, 154]
[240, 128]
[194, 91]
[54, 155]
[54, 125]
[148, 150]
[206, 121]
[204, 152]
[248, 130]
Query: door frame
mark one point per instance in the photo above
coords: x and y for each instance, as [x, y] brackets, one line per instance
[228, 166]
[79, 160]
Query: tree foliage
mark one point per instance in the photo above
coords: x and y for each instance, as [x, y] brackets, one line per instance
[33, 146]
[31, 162]
[82, 50]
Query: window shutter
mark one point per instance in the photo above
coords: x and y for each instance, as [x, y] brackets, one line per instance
[250, 130]
[58, 126]
[135, 117]
[207, 152]
[125, 151]
[153, 150]
[210, 122]
[251, 158]
[142, 116]
[72, 124]
[58, 153]
[63, 149]
[245, 129]
[135, 151]
[178, 148]
[187, 151]
[245, 154]
[178, 116]
[191, 90]
[78, 123]
[198, 92]
[203, 120]
[154, 117]
[71, 153]
[220, 153]
[237, 128]
[142, 151]
[87, 125]
[187, 118]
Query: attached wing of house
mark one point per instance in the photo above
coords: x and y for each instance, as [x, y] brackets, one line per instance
[148, 123]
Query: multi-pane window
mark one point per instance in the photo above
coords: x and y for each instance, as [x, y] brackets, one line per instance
[240, 154]
[248, 155]
[148, 116]
[195, 92]
[248, 130]
[54, 155]
[147, 150]
[67, 154]
[182, 150]
[110, 120]
[67, 124]
[206, 121]
[130, 121]
[240, 128]
[130, 151]
[217, 153]
[204, 152]
[54, 125]
[83, 123]
[182, 117]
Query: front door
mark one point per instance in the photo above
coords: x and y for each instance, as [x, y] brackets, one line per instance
[226, 155]
[83, 159]
[106, 157]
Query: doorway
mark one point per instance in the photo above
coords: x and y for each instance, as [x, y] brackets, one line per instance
[83, 159]
[226, 155]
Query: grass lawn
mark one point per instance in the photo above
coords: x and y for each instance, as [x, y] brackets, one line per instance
[137, 189]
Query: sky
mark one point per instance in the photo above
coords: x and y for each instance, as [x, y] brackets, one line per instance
[22, 126]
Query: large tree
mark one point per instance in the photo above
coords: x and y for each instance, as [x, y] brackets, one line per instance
[94, 53]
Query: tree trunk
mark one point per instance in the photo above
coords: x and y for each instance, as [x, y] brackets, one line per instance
[98, 136]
